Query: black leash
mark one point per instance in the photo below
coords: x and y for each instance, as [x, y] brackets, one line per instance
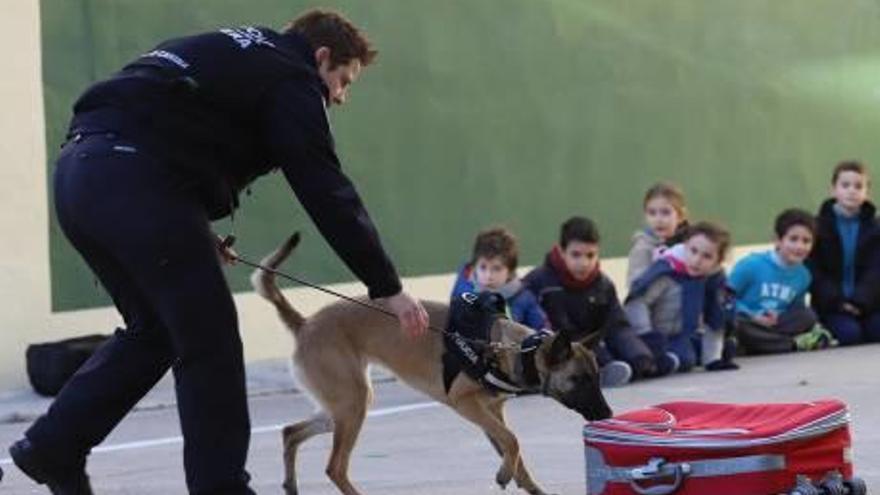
[228, 241]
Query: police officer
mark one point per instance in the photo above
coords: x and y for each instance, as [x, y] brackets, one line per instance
[153, 154]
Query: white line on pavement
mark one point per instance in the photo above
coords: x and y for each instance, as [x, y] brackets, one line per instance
[142, 444]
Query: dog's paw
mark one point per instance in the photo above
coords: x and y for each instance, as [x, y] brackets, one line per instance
[290, 488]
[503, 477]
[535, 490]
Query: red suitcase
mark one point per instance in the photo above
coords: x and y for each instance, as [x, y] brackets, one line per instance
[697, 448]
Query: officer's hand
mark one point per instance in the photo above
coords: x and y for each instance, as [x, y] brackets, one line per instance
[224, 248]
[412, 315]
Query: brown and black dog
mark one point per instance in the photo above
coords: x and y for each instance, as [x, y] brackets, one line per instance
[335, 346]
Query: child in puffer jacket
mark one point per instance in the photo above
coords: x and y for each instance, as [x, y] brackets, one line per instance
[675, 307]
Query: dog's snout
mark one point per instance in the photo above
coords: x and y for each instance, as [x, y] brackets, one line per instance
[597, 413]
[595, 410]
[604, 412]
[591, 404]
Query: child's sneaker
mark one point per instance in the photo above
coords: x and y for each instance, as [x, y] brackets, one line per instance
[721, 365]
[643, 367]
[828, 339]
[667, 364]
[817, 338]
[730, 349]
[615, 374]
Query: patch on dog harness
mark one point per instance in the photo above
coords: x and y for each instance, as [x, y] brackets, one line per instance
[470, 319]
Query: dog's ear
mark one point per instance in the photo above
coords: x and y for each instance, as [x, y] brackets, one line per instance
[560, 349]
[486, 302]
[495, 303]
[592, 341]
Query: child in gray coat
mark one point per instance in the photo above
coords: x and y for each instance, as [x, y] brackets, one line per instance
[665, 224]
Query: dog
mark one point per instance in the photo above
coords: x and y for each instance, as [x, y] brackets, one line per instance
[335, 346]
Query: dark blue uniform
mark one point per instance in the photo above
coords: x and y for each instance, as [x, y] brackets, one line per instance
[154, 153]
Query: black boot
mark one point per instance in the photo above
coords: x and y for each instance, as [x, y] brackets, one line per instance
[66, 481]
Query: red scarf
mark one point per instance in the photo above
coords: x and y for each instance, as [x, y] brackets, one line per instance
[569, 281]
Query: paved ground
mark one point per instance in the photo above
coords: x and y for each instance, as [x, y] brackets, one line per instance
[410, 446]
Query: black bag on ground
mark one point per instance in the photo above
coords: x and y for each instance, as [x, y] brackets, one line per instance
[51, 364]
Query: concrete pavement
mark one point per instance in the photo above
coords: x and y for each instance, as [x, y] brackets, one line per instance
[412, 446]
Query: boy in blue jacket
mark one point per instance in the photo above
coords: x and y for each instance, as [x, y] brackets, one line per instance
[493, 268]
[770, 287]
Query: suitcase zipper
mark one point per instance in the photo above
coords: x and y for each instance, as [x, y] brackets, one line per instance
[596, 433]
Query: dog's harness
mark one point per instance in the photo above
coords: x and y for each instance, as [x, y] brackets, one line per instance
[474, 314]
[525, 365]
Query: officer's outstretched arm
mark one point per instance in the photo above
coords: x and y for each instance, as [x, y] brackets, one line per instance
[300, 142]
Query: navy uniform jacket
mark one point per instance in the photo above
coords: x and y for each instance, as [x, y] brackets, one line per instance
[225, 107]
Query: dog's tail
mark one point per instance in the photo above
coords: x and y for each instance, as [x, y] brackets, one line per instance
[264, 283]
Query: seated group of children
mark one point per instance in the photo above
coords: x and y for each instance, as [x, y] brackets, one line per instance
[681, 310]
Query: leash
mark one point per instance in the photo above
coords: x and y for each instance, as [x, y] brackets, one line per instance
[229, 240]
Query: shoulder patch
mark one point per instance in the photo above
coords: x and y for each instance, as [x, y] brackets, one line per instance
[247, 36]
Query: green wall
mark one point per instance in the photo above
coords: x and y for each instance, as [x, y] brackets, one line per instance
[524, 112]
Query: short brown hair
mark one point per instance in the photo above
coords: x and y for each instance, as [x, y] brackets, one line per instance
[329, 28]
[850, 166]
[497, 242]
[670, 192]
[714, 232]
[794, 217]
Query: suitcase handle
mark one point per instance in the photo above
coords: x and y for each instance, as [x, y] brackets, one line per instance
[658, 468]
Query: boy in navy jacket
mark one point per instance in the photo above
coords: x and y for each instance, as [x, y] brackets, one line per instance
[578, 298]
[845, 262]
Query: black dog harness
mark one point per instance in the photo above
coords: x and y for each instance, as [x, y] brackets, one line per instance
[470, 319]
[527, 368]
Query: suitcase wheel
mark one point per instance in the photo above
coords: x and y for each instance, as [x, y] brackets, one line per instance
[804, 487]
[832, 484]
[856, 486]
[805, 490]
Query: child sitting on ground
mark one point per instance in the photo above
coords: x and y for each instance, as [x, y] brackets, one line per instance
[578, 298]
[665, 225]
[769, 287]
[493, 268]
[675, 307]
[845, 261]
